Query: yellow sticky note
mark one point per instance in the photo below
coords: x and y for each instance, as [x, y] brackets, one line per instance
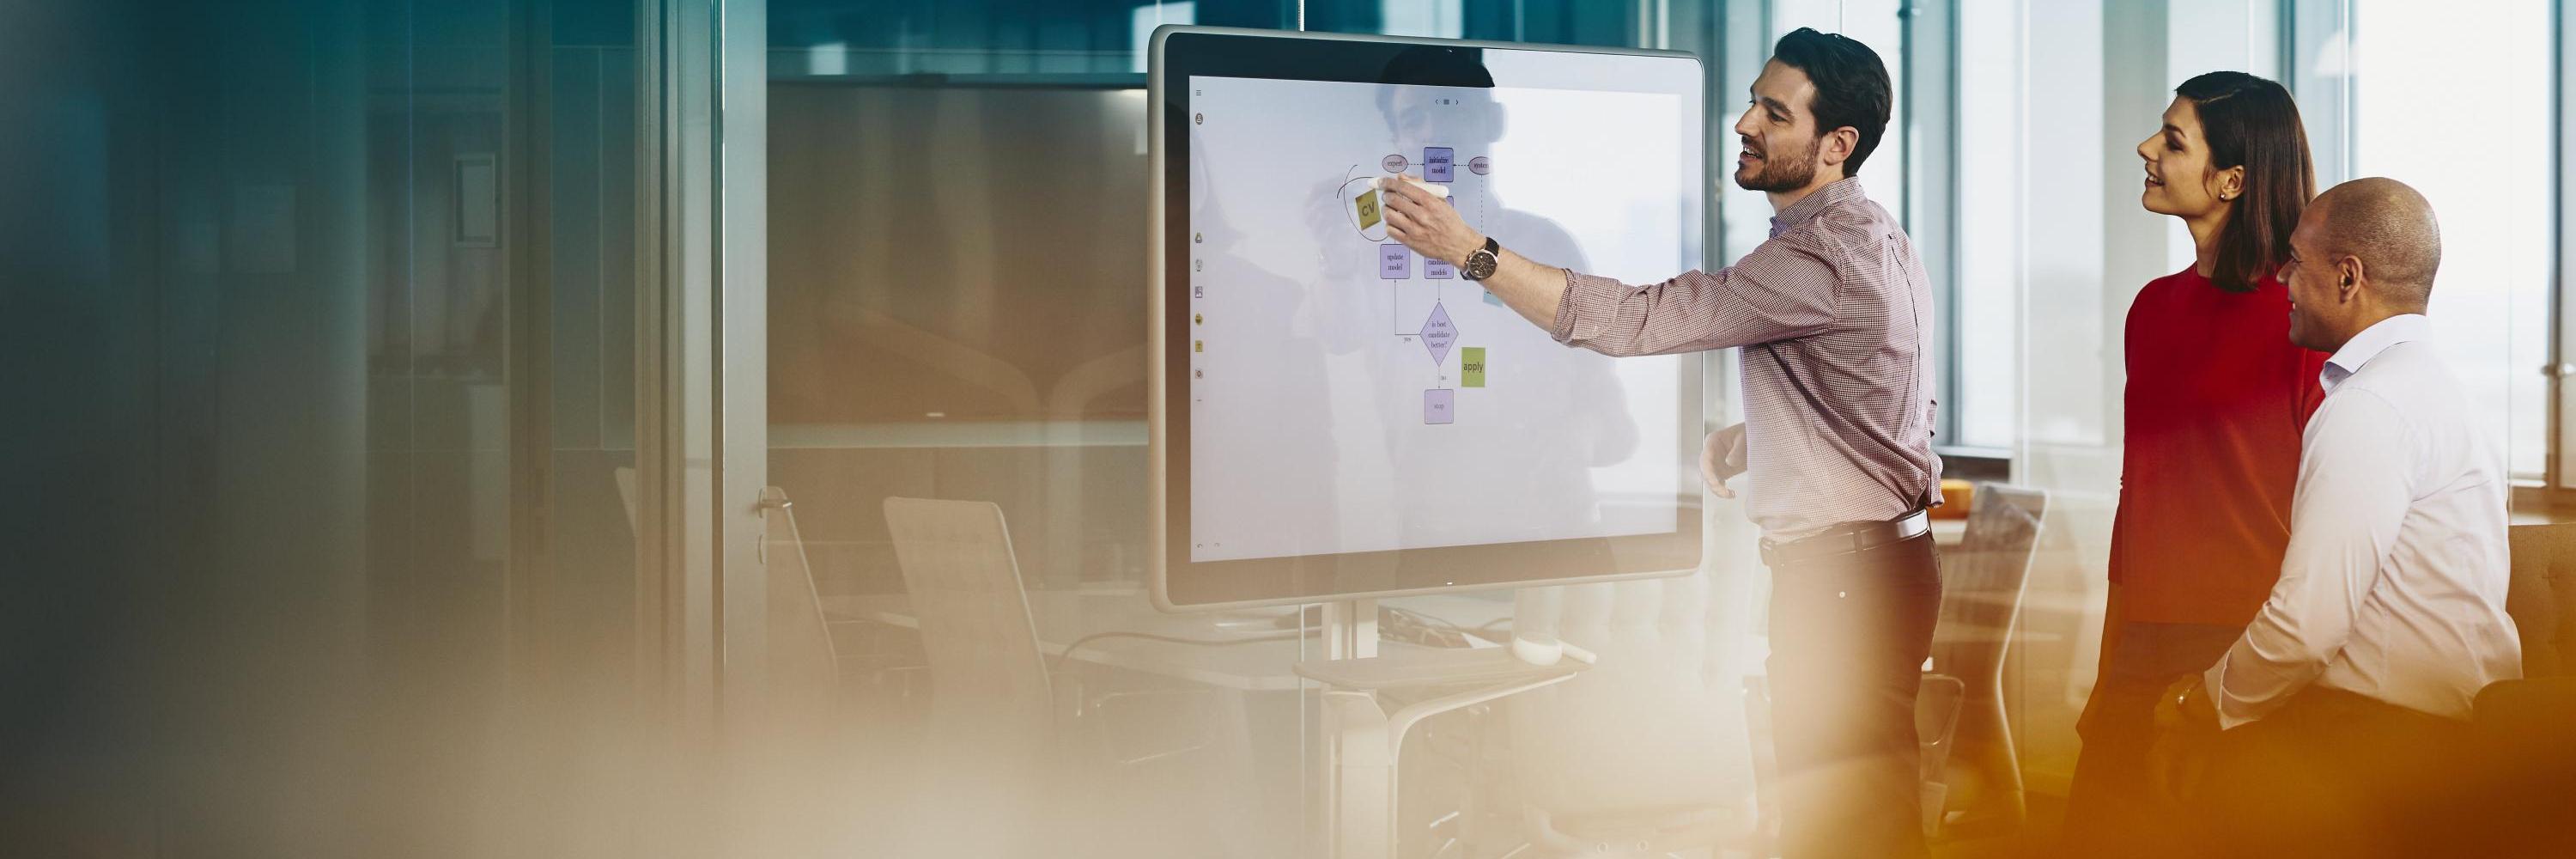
[1367, 204]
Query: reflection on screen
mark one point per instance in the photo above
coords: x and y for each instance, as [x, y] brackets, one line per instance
[1348, 395]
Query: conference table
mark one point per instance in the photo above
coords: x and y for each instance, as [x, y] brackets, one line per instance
[1249, 650]
[1256, 653]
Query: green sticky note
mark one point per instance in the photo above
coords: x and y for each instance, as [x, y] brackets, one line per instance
[1471, 366]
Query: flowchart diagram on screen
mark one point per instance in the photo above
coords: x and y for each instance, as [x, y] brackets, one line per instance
[1362, 201]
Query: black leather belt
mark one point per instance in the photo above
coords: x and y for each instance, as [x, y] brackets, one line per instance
[1849, 538]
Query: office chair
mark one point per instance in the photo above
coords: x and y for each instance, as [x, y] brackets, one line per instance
[626, 493]
[2542, 598]
[1936, 727]
[1959, 708]
[804, 667]
[988, 680]
[1969, 761]
[990, 684]
[2524, 754]
[806, 659]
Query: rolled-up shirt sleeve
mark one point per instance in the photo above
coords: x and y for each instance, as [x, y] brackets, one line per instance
[1783, 289]
[2354, 488]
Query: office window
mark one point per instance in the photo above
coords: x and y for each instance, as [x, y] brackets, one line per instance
[2023, 201]
[1984, 284]
[1950, 169]
[2491, 187]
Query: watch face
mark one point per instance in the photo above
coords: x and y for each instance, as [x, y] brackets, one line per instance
[1480, 265]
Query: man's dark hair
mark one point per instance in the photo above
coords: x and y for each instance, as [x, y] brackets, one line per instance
[1851, 86]
[2251, 122]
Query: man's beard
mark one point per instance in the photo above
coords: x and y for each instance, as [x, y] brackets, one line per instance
[1790, 175]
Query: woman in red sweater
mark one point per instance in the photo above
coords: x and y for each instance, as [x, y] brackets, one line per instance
[2217, 398]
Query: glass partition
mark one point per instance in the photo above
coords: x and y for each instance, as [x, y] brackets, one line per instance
[701, 428]
[330, 310]
[957, 311]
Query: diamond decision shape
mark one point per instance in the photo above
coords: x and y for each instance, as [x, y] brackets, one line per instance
[1438, 333]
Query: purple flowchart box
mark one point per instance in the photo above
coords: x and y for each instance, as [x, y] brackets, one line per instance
[1394, 262]
[1439, 406]
[1439, 163]
[1437, 269]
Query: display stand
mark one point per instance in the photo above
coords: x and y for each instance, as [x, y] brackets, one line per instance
[1366, 728]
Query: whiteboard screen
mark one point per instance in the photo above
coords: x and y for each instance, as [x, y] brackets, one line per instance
[1344, 416]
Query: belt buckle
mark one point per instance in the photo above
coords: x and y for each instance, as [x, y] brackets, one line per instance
[1849, 543]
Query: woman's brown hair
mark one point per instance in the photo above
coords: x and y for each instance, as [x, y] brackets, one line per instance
[2251, 122]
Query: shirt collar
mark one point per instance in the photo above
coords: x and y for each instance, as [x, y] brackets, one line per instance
[1807, 207]
[2401, 328]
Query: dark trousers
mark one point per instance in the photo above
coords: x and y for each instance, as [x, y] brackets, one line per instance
[2114, 809]
[1848, 638]
[2336, 774]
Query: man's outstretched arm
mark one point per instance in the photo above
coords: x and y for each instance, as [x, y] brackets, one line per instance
[1530, 288]
[1793, 297]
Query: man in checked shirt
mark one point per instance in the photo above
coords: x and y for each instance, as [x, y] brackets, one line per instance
[1834, 316]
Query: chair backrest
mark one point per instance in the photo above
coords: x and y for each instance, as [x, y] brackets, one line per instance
[626, 493]
[988, 679]
[2542, 597]
[1658, 723]
[803, 671]
[1982, 581]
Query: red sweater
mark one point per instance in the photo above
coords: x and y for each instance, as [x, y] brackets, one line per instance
[2217, 399]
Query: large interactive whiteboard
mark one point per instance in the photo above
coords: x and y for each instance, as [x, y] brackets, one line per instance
[1335, 416]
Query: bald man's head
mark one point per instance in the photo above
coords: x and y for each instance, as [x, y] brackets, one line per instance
[2364, 251]
[2390, 229]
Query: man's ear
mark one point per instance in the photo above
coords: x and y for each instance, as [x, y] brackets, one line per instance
[2349, 277]
[1838, 145]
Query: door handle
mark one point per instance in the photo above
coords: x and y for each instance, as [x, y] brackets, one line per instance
[771, 498]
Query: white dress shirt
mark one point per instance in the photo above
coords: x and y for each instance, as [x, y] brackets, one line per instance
[2393, 587]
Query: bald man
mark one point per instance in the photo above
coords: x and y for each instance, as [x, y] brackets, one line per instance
[2345, 702]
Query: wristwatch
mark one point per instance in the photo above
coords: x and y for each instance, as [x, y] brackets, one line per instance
[1481, 261]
